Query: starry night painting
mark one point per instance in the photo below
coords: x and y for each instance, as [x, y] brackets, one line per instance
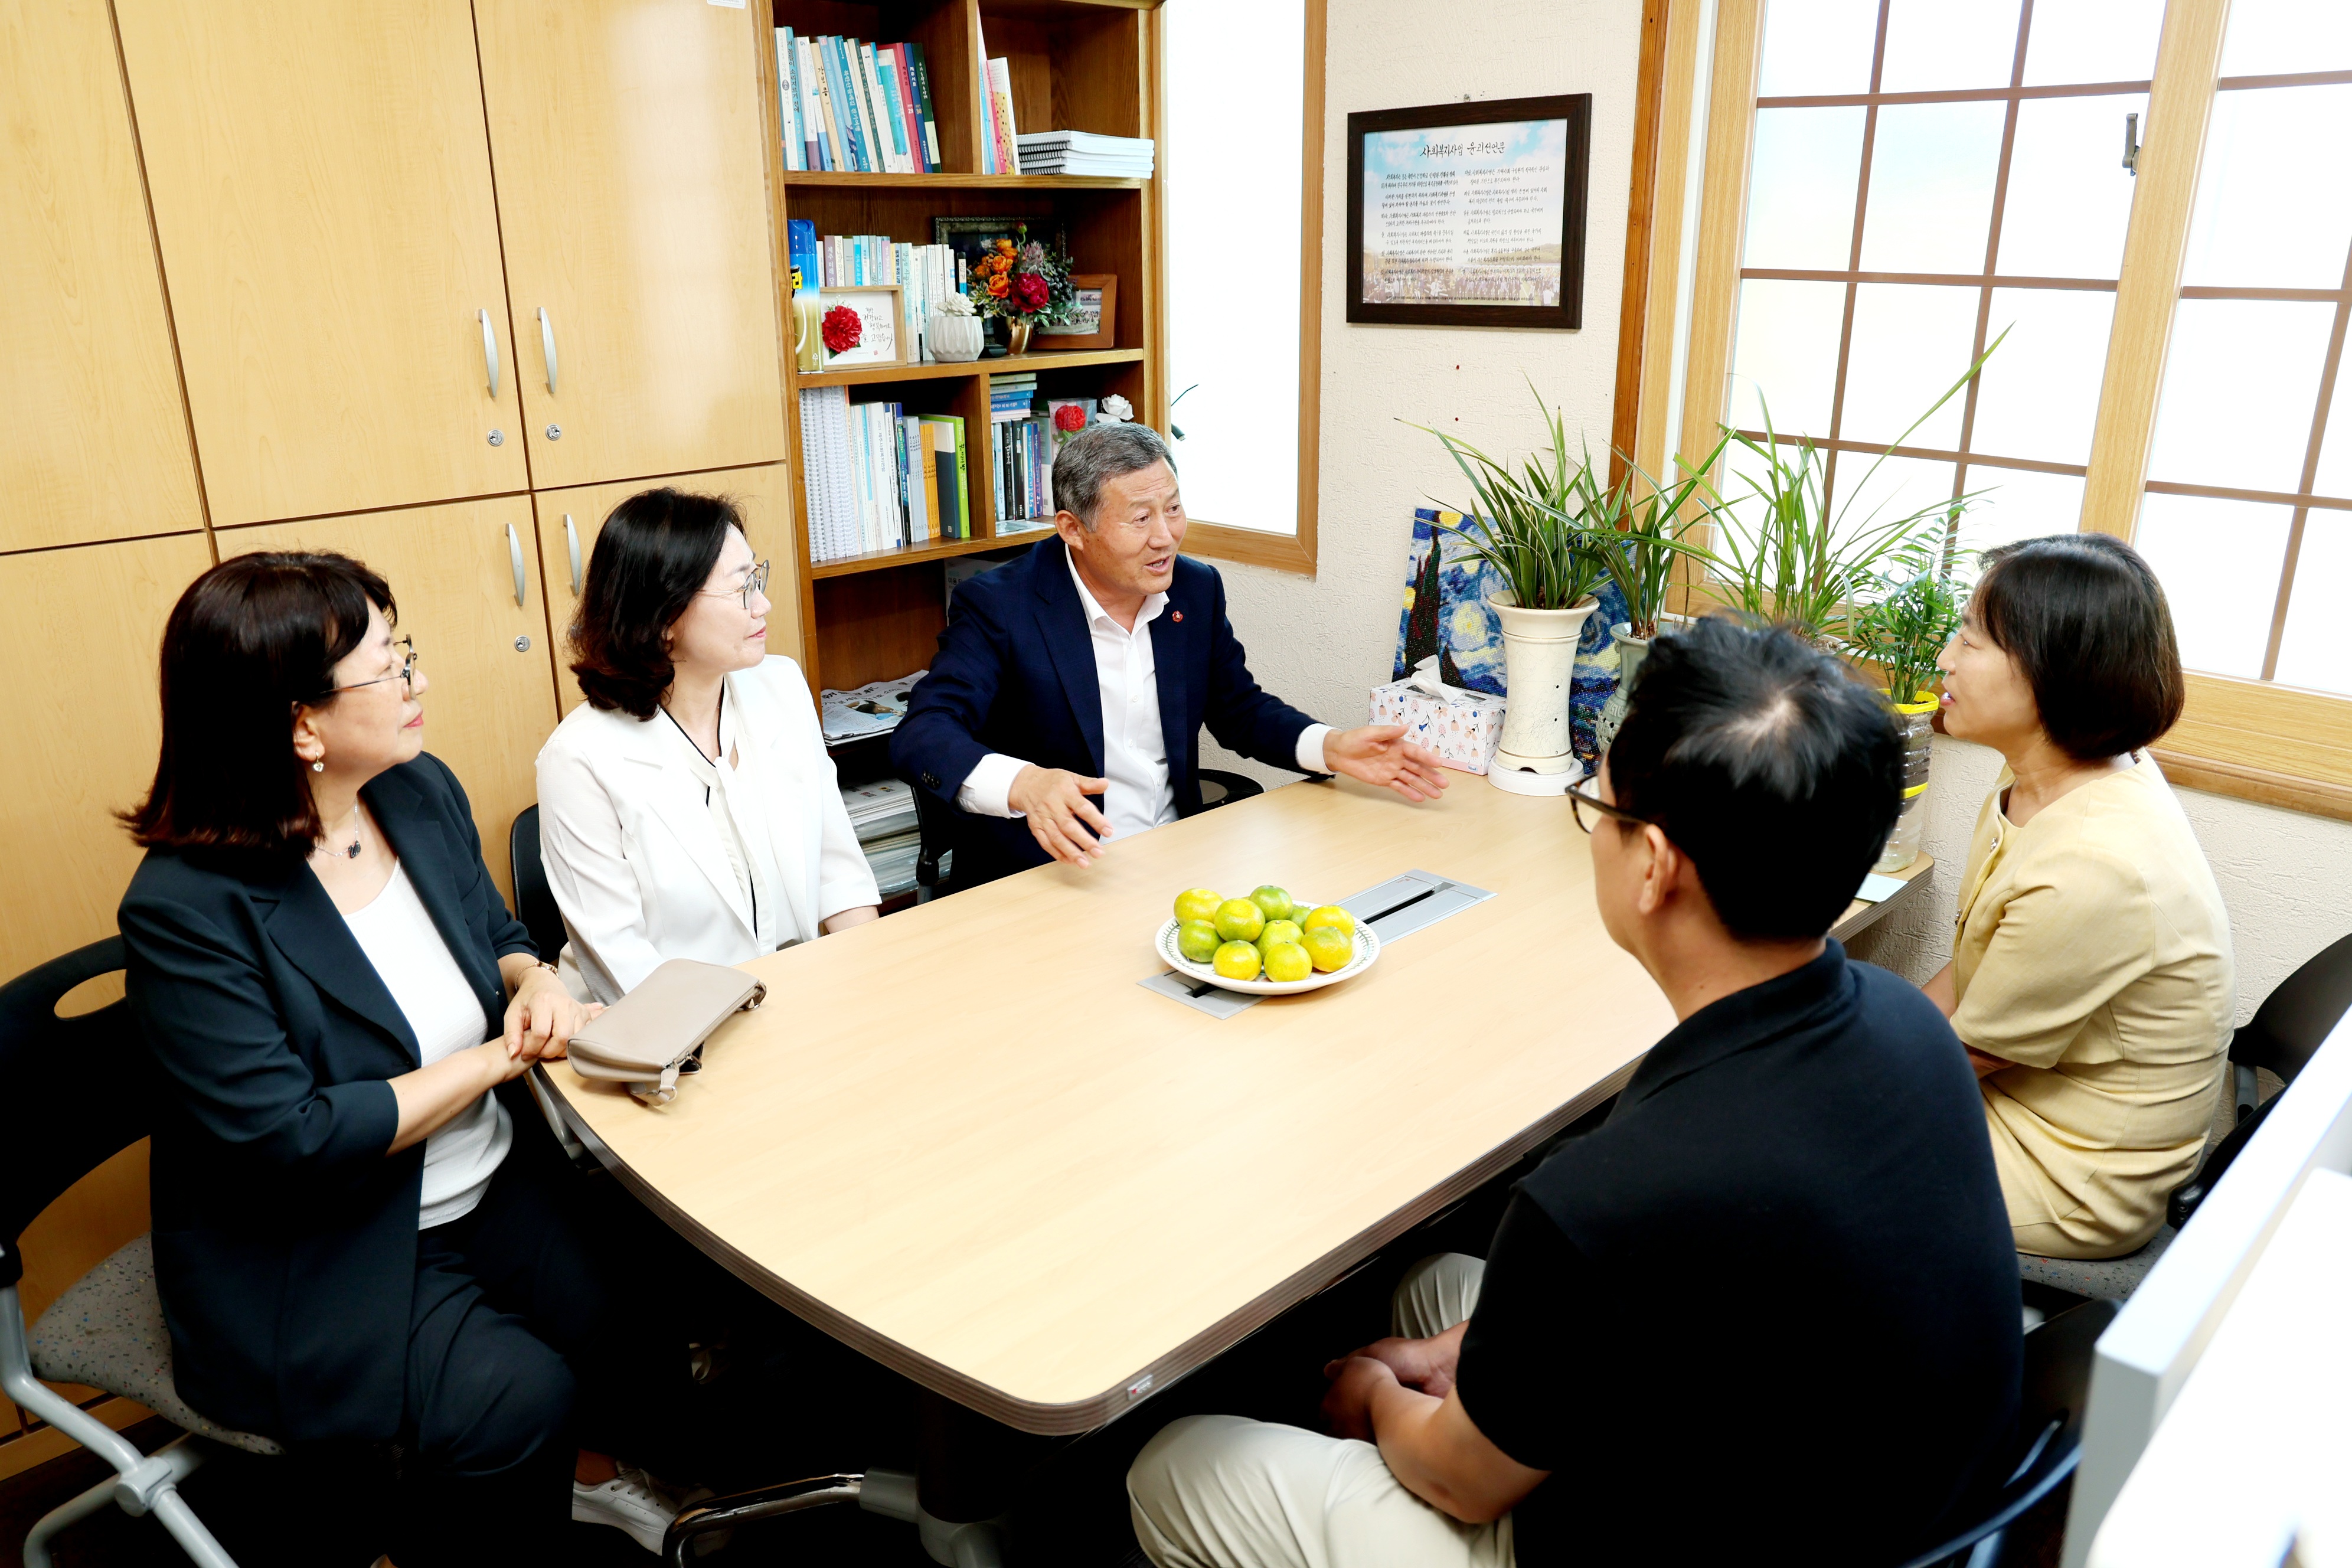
[1446, 616]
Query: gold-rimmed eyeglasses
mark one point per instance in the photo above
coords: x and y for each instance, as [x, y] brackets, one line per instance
[406, 674]
[1579, 797]
[755, 581]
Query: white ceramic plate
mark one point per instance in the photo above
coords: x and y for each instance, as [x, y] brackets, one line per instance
[1368, 950]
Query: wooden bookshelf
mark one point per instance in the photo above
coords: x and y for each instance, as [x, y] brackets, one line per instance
[1077, 65]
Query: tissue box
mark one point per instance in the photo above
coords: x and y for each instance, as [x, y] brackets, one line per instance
[1462, 727]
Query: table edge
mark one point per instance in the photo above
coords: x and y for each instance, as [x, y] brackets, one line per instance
[1156, 1376]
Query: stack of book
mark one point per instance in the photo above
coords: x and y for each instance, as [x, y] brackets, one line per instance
[1012, 394]
[878, 478]
[1025, 440]
[884, 816]
[925, 274]
[848, 105]
[1084, 153]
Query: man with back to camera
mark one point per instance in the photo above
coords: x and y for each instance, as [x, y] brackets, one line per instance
[1769, 1304]
[1088, 667]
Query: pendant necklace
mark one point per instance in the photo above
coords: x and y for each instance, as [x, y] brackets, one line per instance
[351, 851]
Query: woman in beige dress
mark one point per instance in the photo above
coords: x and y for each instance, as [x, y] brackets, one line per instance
[2090, 977]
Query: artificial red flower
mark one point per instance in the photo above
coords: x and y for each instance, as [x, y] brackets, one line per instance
[843, 330]
[1029, 292]
[1070, 416]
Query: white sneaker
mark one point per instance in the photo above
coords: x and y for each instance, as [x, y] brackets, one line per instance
[629, 1501]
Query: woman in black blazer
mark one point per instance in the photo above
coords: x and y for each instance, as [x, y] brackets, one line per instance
[358, 1234]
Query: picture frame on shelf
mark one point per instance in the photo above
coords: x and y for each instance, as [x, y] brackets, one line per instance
[882, 320]
[1097, 323]
[1469, 214]
[968, 236]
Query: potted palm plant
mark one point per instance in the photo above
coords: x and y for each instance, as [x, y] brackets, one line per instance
[1637, 527]
[1901, 631]
[1527, 526]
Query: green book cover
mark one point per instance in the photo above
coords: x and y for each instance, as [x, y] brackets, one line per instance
[954, 475]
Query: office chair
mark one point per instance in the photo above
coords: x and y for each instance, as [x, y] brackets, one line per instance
[106, 1331]
[2283, 1034]
[2055, 1388]
[534, 899]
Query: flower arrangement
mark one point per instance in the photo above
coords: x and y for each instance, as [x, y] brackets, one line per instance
[843, 330]
[1115, 410]
[1069, 419]
[1023, 282]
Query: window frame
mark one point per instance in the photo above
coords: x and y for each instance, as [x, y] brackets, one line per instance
[2253, 739]
[1293, 552]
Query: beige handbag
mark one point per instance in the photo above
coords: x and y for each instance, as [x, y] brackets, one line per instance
[655, 1032]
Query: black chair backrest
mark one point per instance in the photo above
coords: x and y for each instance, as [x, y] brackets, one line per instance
[2186, 1198]
[2051, 1396]
[936, 820]
[2298, 1016]
[94, 1079]
[534, 899]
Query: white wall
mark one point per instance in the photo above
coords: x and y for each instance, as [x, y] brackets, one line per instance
[1322, 642]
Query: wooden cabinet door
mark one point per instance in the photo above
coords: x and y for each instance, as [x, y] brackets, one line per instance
[632, 192]
[79, 707]
[465, 579]
[321, 187]
[93, 438]
[570, 521]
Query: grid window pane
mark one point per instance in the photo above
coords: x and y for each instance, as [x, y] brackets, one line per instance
[2316, 649]
[1932, 170]
[2272, 37]
[2219, 561]
[2239, 384]
[2069, 193]
[1872, 489]
[2093, 40]
[1935, 45]
[2040, 392]
[1807, 166]
[1910, 342]
[2336, 449]
[2271, 211]
[1785, 356]
[1813, 46]
[2019, 503]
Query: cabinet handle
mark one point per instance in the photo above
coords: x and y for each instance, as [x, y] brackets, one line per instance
[547, 343]
[571, 542]
[491, 351]
[514, 548]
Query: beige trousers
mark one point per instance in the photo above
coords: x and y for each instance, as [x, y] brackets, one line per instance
[1219, 1491]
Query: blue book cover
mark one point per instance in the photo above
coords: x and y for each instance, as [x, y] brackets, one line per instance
[799, 244]
[844, 104]
[887, 80]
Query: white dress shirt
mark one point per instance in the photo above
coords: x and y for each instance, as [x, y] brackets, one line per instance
[1135, 751]
[654, 852]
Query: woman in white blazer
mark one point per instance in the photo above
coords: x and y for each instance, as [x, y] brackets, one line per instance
[687, 808]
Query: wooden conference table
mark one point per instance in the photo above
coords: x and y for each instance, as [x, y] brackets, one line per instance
[966, 1142]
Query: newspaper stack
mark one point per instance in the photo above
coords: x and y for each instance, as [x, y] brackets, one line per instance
[873, 709]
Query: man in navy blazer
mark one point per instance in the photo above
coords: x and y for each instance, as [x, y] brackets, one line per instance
[1086, 668]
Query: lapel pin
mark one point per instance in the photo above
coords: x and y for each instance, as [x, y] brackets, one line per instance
[1177, 616]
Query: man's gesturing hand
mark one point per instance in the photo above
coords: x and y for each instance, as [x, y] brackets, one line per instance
[1379, 754]
[1060, 816]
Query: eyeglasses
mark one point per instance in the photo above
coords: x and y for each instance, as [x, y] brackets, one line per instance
[1578, 799]
[755, 581]
[406, 674]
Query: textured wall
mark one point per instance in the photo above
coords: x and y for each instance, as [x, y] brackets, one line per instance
[1322, 642]
[2286, 878]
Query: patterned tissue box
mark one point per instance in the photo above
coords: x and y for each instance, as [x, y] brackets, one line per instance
[1462, 727]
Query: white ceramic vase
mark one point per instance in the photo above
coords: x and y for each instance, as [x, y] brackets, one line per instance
[954, 339]
[1539, 664]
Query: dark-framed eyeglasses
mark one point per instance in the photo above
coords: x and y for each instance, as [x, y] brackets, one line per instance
[406, 674]
[1580, 798]
[755, 581]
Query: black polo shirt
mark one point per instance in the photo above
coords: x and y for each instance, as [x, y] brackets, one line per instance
[1771, 1304]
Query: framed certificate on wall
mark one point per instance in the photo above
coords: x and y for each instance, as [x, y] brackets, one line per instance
[1469, 214]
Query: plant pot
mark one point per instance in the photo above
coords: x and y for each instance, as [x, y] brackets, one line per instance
[1917, 721]
[1538, 664]
[1631, 652]
[953, 339]
[1016, 336]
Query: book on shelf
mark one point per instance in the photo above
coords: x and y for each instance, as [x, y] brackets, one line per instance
[920, 271]
[1024, 458]
[1085, 152]
[950, 470]
[878, 478]
[849, 105]
[1000, 107]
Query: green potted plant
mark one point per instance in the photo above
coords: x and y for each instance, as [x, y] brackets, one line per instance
[1901, 631]
[1637, 526]
[1528, 526]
